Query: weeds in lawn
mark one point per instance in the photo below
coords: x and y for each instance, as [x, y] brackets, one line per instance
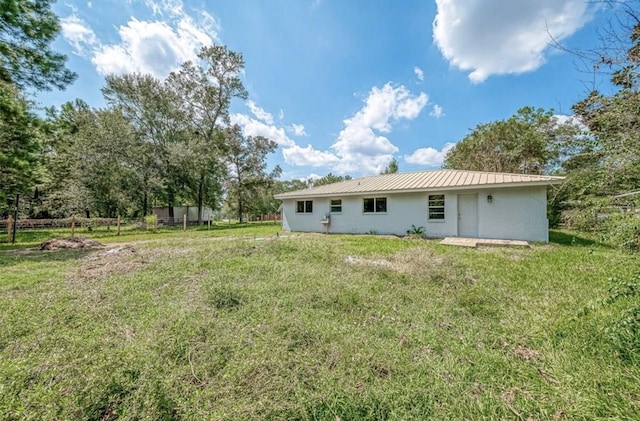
[210, 326]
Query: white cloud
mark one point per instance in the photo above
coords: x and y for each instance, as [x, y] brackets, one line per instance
[252, 127]
[358, 145]
[281, 114]
[260, 113]
[489, 37]
[154, 47]
[562, 119]
[437, 111]
[430, 157]
[297, 129]
[297, 155]
[419, 73]
[78, 34]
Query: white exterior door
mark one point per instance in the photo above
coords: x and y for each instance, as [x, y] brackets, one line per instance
[467, 215]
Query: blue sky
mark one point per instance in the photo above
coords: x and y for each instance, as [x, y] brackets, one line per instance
[345, 86]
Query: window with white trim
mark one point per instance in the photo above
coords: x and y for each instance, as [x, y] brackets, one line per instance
[304, 206]
[436, 207]
[374, 205]
[336, 205]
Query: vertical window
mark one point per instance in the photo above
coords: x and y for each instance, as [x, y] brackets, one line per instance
[336, 205]
[436, 207]
[374, 205]
[304, 206]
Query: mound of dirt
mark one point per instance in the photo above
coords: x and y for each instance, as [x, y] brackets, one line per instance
[69, 243]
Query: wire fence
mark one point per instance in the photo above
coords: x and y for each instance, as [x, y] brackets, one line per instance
[111, 226]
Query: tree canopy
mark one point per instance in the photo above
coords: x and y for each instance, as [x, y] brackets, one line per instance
[529, 142]
[329, 179]
[27, 28]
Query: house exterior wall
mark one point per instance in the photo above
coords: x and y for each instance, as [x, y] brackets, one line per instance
[513, 213]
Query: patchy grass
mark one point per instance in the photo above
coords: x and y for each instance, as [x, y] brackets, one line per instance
[242, 324]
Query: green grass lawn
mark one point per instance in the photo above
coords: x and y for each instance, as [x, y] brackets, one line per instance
[243, 324]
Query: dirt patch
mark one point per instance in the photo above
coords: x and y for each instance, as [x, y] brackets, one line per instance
[123, 258]
[526, 354]
[70, 243]
[407, 261]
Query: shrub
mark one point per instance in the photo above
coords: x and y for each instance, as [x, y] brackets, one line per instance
[622, 230]
[416, 232]
[623, 331]
[150, 221]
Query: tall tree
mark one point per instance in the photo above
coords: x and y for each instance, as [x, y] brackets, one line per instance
[247, 161]
[27, 28]
[613, 146]
[392, 167]
[19, 144]
[94, 161]
[204, 92]
[528, 142]
[158, 122]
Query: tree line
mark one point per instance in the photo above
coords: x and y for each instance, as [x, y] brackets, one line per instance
[157, 142]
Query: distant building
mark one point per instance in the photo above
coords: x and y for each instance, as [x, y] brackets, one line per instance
[178, 214]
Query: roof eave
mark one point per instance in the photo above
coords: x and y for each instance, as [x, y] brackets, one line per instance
[423, 190]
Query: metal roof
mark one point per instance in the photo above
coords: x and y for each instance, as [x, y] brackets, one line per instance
[437, 180]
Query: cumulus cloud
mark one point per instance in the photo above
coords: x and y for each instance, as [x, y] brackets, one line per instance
[78, 34]
[489, 37]
[153, 47]
[297, 129]
[260, 113]
[297, 155]
[429, 157]
[437, 111]
[419, 73]
[253, 127]
[360, 145]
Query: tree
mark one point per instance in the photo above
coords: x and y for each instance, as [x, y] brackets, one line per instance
[204, 93]
[95, 161]
[529, 142]
[19, 144]
[158, 122]
[329, 179]
[246, 158]
[392, 167]
[27, 28]
[184, 117]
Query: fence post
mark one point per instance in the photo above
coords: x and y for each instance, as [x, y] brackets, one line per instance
[9, 229]
[155, 222]
[73, 226]
[209, 223]
[118, 224]
[15, 221]
[184, 222]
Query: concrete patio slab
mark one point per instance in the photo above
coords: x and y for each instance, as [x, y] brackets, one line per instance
[489, 242]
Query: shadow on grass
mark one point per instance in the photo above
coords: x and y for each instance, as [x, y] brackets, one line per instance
[568, 238]
[13, 257]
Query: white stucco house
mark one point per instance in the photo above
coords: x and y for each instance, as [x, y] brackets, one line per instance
[447, 203]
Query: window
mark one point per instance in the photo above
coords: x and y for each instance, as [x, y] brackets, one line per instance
[374, 205]
[436, 207]
[336, 205]
[304, 206]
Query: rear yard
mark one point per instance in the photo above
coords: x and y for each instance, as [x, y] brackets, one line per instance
[244, 324]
